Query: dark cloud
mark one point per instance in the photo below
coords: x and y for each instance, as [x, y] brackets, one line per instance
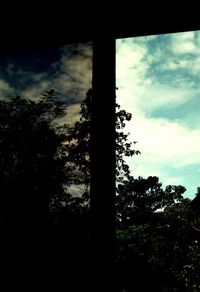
[67, 69]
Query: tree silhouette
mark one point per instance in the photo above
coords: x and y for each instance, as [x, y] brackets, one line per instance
[40, 220]
[32, 169]
[138, 199]
[42, 160]
[124, 147]
[155, 240]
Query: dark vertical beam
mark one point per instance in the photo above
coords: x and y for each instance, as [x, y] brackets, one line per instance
[103, 159]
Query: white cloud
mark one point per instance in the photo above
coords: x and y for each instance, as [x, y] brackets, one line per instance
[147, 98]
[144, 92]
[192, 65]
[184, 47]
[5, 89]
[131, 51]
[73, 114]
[142, 89]
[180, 51]
[130, 57]
[185, 43]
[75, 71]
[72, 75]
[35, 91]
[165, 140]
[167, 146]
[167, 150]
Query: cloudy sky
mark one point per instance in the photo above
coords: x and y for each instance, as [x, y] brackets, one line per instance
[159, 83]
[68, 69]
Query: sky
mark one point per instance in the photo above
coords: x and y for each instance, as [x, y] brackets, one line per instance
[67, 69]
[158, 80]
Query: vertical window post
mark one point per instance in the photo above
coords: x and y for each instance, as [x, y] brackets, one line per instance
[103, 156]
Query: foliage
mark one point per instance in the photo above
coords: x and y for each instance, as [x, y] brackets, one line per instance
[155, 238]
[124, 147]
[138, 199]
[42, 161]
[166, 244]
[78, 146]
[33, 157]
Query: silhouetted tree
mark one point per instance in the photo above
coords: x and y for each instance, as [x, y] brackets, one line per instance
[79, 147]
[124, 147]
[78, 152]
[42, 160]
[156, 245]
[138, 199]
[32, 168]
[146, 232]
